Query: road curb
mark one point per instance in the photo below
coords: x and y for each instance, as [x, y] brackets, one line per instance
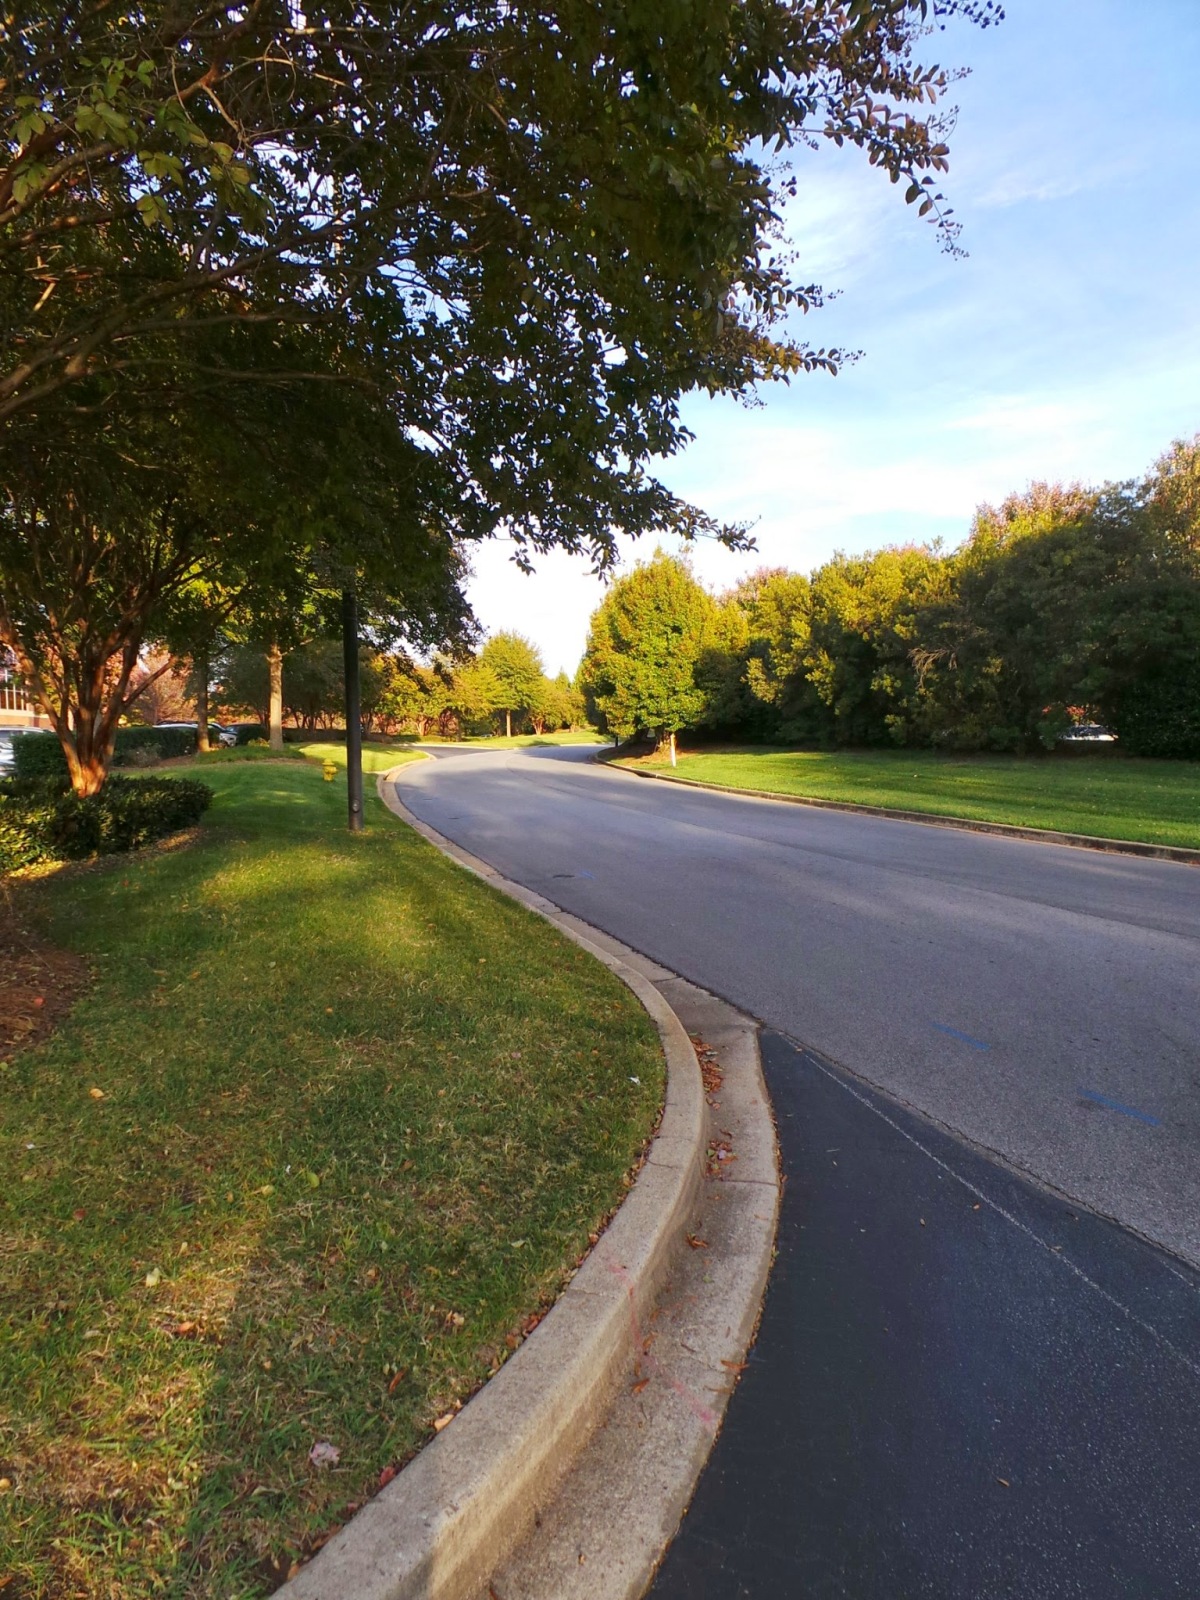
[472, 1494]
[1007, 830]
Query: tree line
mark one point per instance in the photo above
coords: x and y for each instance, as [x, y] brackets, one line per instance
[1063, 604]
[501, 688]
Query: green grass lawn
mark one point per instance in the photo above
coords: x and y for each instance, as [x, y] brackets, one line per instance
[331, 1125]
[376, 757]
[520, 741]
[1109, 796]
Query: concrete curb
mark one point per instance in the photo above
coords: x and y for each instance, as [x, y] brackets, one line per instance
[472, 1494]
[1007, 830]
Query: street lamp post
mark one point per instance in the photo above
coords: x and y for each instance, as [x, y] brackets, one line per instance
[354, 777]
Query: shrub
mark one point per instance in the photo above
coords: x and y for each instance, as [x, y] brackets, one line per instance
[145, 755]
[1160, 716]
[251, 732]
[39, 755]
[42, 821]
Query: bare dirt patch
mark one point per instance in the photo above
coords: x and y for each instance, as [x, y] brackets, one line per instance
[38, 982]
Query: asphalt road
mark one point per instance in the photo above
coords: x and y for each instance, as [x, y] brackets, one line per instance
[1042, 1001]
[965, 1387]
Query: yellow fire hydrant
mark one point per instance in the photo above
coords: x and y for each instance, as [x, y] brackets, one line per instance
[329, 768]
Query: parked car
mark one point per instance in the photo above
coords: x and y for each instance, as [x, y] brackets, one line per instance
[216, 731]
[1087, 733]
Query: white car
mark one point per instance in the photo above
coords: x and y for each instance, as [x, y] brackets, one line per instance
[1087, 733]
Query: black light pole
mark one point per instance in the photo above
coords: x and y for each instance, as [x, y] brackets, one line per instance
[354, 781]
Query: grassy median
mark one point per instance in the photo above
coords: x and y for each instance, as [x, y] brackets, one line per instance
[330, 1125]
[1108, 796]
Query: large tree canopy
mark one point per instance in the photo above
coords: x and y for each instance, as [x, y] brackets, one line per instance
[537, 226]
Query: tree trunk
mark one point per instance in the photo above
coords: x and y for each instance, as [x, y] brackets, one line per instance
[508, 724]
[200, 669]
[275, 713]
[672, 746]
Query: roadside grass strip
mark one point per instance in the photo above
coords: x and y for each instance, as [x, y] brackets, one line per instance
[1111, 797]
[330, 1128]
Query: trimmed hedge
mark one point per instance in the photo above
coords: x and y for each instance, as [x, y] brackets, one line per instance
[247, 732]
[1159, 715]
[42, 821]
[39, 755]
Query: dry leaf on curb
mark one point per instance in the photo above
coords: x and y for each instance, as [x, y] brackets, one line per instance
[443, 1422]
[386, 1476]
[324, 1454]
[640, 1385]
[696, 1242]
[1005, 1482]
[735, 1366]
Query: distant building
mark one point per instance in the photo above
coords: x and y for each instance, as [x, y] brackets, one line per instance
[16, 708]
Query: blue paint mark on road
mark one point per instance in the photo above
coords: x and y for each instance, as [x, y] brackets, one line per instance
[976, 1044]
[585, 875]
[1126, 1111]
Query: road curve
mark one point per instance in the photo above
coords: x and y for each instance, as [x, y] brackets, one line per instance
[1039, 1000]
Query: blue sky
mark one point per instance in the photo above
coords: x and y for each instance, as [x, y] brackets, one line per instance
[1066, 346]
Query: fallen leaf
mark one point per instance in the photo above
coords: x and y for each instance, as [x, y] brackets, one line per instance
[40, 1000]
[182, 1329]
[324, 1454]
[443, 1422]
[397, 1380]
[79, 1214]
[735, 1366]
[267, 1188]
[153, 1278]
[640, 1385]
[386, 1476]
[96, 1094]
[1005, 1482]
[696, 1242]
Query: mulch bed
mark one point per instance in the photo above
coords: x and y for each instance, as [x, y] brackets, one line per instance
[38, 983]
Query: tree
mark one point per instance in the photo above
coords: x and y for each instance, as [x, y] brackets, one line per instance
[518, 671]
[557, 705]
[116, 532]
[534, 238]
[505, 239]
[646, 640]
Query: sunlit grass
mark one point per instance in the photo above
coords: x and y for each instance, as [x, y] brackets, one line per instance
[521, 741]
[376, 757]
[1109, 796]
[333, 1120]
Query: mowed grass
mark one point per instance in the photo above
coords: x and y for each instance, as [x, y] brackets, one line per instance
[376, 756]
[1109, 796]
[334, 1121]
[521, 741]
